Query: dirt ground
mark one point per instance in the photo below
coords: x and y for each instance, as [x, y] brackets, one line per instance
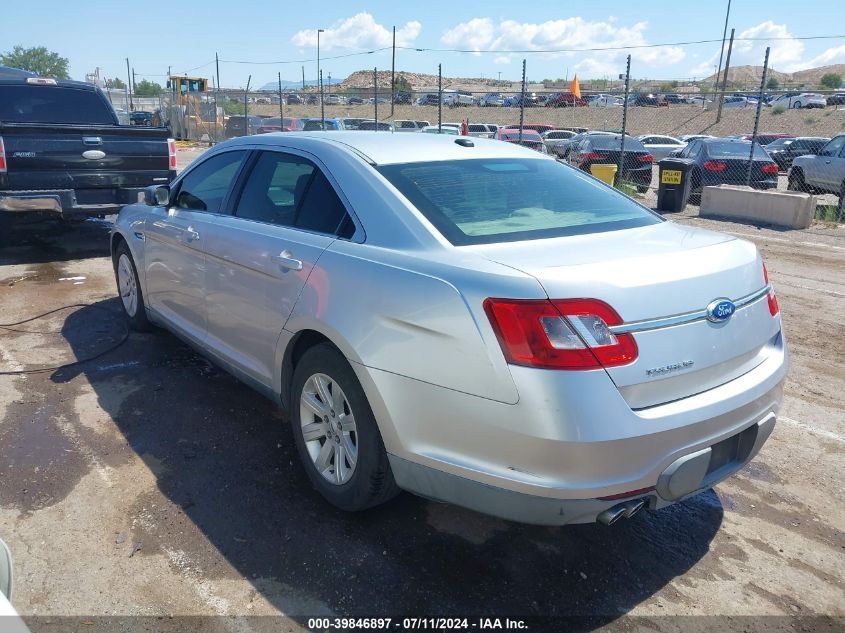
[674, 120]
[146, 486]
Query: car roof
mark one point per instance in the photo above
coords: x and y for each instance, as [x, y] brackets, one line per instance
[386, 148]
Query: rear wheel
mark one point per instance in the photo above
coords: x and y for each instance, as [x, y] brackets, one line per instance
[797, 104]
[336, 433]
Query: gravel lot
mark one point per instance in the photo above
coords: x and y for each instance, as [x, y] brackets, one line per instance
[149, 483]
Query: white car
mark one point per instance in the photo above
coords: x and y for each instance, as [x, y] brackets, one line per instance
[553, 138]
[606, 101]
[660, 146]
[335, 100]
[799, 100]
[699, 100]
[737, 102]
[444, 129]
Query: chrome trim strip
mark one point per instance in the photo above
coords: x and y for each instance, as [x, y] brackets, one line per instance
[689, 317]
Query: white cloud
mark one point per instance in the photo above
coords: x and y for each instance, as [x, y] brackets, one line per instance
[570, 33]
[835, 55]
[785, 54]
[501, 59]
[473, 35]
[359, 31]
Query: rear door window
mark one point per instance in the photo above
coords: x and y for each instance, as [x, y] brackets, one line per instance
[289, 190]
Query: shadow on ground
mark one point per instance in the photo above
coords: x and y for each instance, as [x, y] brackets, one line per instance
[36, 240]
[237, 502]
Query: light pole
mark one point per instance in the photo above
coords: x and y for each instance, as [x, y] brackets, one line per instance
[318, 63]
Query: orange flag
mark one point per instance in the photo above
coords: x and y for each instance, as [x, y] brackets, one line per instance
[575, 87]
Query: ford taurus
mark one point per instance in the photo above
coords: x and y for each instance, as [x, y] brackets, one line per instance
[465, 319]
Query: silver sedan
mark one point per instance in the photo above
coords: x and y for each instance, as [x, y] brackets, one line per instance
[465, 319]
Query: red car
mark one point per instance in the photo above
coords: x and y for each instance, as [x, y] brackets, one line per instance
[275, 124]
[530, 138]
[565, 100]
[540, 128]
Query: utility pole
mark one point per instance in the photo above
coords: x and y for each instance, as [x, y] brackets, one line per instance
[134, 84]
[330, 82]
[439, 98]
[721, 95]
[375, 95]
[722, 51]
[281, 104]
[393, 74]
[129, 86]
[757, 117]
[303, 77]
[624, 119]
[320, 75]
[522, 104]
[246, 107]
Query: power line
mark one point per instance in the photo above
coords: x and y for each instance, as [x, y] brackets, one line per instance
[608, 48]
[303, 61]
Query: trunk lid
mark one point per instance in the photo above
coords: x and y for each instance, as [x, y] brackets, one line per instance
[654, 272]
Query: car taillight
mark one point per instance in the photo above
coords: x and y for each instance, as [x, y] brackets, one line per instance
[171, 153]
[770, 168]
[593, 156]
[774, 308]
[559, 333]
[2, 157]
[714, 165]
[645, 158]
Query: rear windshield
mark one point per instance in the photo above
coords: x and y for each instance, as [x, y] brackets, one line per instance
[53, 104]
[728, 149]
[615, 142]
[483, 201]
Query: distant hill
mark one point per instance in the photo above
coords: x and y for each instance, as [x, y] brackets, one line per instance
[288, 84]
[752, 74]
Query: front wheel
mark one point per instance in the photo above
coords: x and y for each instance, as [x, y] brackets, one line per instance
[796, 181]
[797, 104]
[129, 289]
[336, 433]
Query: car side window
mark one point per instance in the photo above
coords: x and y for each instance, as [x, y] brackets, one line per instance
[292, 191]
[833, 147]
[205, 186]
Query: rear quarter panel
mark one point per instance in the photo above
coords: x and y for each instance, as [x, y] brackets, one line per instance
[405, 314]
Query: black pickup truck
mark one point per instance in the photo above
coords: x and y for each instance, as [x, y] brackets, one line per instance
[63, 152]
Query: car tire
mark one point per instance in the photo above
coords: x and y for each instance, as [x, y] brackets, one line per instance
[796, 181]
[129, 289]
[325, 384]
[840, 208]
[797, 104]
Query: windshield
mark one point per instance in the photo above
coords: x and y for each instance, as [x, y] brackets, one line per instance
[615, 142]
[53, 104]
[483, 201]
[780, 143]
[728, 149]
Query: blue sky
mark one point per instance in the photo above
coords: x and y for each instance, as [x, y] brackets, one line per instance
[156, 34]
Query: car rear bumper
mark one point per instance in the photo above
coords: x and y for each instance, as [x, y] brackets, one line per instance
[570, 442]
[66, 202]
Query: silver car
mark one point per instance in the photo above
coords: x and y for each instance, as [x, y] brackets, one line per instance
[465, 319]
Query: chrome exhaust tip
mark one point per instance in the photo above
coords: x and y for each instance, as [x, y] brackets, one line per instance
[632, 507]
[611, 515]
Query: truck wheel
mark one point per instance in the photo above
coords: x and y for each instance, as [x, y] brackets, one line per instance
[129, 289]
[336, 433]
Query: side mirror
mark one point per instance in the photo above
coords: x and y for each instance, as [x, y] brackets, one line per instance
[157, 195]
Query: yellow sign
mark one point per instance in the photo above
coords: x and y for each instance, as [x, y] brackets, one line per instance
[671, 177]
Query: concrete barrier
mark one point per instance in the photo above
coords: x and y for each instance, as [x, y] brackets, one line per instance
[792, 209]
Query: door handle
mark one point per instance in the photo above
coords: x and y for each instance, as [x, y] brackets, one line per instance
[285, 260]
[191, 235]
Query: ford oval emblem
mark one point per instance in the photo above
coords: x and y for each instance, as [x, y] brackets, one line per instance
[720, 310]
[94, 154]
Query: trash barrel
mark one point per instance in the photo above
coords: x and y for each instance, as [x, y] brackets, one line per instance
[605, 173]
[673, 184]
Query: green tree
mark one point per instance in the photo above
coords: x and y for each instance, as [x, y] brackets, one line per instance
[116, 83]
[145, 88]
[37, 60]
[831, 81]
[773, 83]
